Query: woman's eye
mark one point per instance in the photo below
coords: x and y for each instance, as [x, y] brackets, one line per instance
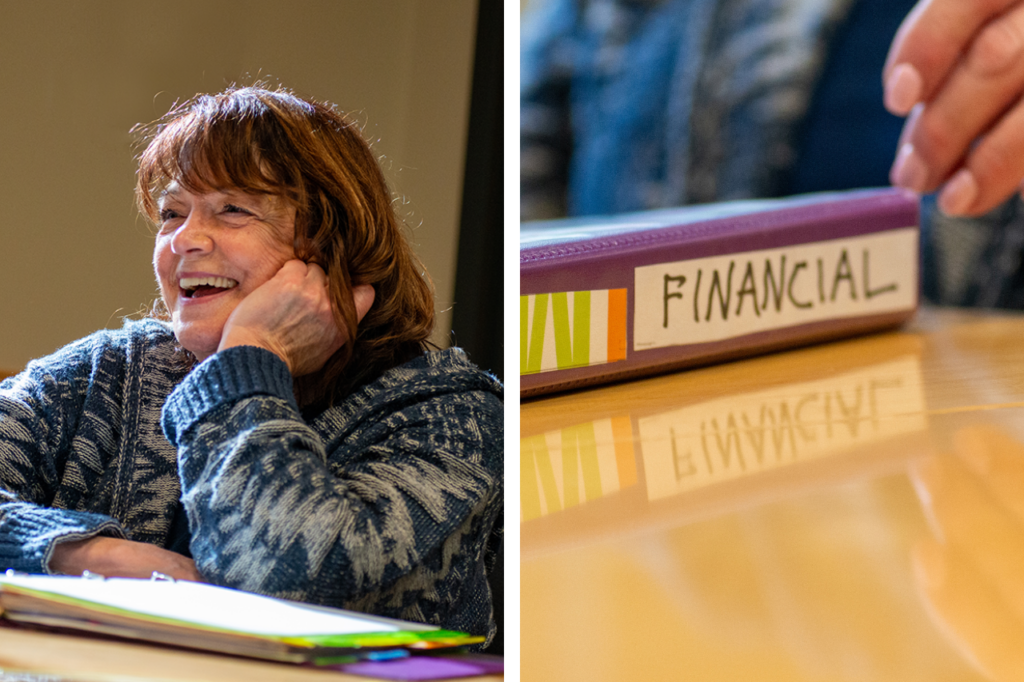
[168, 214]
[231, 208]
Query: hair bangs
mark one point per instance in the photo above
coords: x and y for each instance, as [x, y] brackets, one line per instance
[224, 142]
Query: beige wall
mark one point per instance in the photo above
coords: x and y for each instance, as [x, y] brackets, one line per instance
[75, 76]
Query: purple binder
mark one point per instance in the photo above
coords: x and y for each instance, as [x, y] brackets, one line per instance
[613, 298]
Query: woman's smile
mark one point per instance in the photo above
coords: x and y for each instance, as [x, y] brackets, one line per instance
[201, 286]
[198, 291]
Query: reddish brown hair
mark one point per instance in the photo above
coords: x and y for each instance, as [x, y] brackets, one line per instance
[261, 141]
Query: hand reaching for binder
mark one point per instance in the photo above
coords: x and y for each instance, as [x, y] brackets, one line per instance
[955, 67]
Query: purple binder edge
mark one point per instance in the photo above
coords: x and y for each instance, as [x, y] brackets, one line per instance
[608, 263]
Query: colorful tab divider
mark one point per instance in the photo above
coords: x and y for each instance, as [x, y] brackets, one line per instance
[571, 329]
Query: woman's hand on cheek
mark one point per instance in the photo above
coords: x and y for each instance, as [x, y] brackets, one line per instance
[291, 316]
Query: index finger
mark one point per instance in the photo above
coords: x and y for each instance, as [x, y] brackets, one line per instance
[930, 41]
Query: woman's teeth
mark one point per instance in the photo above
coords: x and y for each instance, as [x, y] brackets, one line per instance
[189, 285]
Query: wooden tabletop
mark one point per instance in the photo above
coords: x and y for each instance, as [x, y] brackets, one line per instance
[850, 511]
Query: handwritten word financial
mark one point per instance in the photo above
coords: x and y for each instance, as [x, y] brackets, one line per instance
[768, 286]
[719, 297]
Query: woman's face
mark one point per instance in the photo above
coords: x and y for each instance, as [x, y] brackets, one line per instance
[212, 251]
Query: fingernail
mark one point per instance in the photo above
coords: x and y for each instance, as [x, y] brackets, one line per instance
[959, 194]
[902, 89]
[909, 170]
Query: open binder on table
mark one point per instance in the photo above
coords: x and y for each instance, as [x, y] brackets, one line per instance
[201, 616]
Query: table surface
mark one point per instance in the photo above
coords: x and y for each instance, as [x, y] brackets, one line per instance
[849, 511]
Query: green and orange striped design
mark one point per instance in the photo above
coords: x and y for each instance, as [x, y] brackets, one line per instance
[571, 329]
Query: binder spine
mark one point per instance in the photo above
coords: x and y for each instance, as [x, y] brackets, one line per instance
[717, 289]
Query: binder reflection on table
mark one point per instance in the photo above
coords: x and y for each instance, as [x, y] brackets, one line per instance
[636, 470]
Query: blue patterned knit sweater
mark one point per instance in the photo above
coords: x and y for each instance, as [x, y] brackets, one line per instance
[389, 502]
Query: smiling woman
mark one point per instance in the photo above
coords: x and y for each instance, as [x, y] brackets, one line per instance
[304, 181]
[280, 424]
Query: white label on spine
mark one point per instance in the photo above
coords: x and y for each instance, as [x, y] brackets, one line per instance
[721, 297]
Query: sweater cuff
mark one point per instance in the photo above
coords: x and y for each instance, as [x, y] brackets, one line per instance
[224, 378]
[29, 533]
